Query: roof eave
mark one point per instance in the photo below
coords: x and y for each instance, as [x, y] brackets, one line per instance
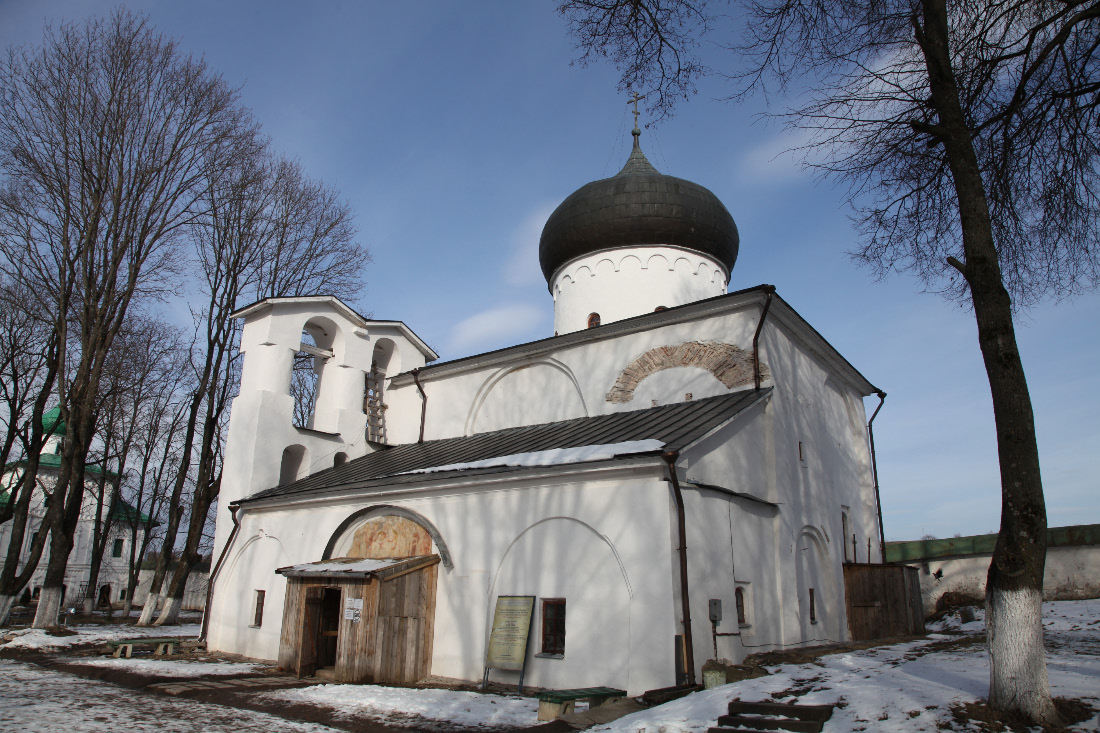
[446, 480]
[345, 310]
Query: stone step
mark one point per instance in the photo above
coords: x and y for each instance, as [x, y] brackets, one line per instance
[771, 724]
[788, 710]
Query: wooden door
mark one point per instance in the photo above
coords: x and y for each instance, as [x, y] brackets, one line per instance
[307, 640]
[405, 627]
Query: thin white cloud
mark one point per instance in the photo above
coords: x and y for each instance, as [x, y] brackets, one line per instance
[521, 269]
[777, 160]
[504, 325]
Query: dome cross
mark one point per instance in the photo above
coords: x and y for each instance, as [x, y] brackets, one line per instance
[635, 98]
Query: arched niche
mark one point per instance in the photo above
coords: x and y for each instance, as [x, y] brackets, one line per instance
[294, 465]
[818, 597]
[528, 394]
[381, 530]
[566, 559]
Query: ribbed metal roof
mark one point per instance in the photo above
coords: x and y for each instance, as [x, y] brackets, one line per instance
[638, 206]
[676, 425]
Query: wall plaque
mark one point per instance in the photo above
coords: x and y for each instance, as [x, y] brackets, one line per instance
[511, 628]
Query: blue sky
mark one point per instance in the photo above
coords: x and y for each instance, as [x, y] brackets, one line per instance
[455, 128]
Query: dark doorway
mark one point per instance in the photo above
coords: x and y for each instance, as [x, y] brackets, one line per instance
[104, 596]
[328, 628]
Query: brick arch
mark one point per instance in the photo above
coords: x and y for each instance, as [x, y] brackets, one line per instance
[731, 365]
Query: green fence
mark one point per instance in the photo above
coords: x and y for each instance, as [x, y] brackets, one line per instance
[1082, 534]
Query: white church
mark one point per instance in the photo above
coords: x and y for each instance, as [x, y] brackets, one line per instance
[677, 474]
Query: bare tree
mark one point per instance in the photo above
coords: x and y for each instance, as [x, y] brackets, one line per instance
[143, 365]
[104, 132]
[156, 453]
[968, 134]
[28, 368]
[268, 231]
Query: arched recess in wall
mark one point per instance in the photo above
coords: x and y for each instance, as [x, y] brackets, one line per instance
[731, 365]
[253, 568]
[344, 538]
[528, 394]
[819, 612]
[566, 559]
[295, 464]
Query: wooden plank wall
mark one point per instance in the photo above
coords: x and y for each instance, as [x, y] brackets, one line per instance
[358, 639]
[882, 601]
[292, 625]
[392, 641]
[406, 619]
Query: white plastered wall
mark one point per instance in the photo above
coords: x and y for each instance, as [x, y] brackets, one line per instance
[630, 281]
[1071, 572]
[571, 382]
[600, 543]
[777, 554]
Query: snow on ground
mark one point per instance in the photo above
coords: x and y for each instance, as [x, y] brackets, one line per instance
[172, 667]
[903, 688]
[447, 706]
[35, 700]
[94, 634]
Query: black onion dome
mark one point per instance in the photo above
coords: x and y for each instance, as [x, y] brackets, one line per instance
[638, 205]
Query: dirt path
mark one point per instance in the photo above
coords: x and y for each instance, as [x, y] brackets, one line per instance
[44, 691]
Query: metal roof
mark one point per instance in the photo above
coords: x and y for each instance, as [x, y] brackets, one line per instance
[347, 568]
[637, 206]
[677, 425]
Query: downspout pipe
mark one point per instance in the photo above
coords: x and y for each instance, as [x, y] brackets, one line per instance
[685, 599]
[770, 290]
[233, 508]
[423, 402]
[874, 474]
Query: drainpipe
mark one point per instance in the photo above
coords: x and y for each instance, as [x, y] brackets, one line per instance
[685, 599]
[770, 290]
[423, 402]
[217, 568]
[874, 477]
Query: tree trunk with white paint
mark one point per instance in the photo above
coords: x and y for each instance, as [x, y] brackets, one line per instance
[1014, 637]
[149, 610]
[49, 607]
[170, 614]
[1018, 677]
[6, 602]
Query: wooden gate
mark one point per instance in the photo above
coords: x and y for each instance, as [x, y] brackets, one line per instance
[882, 601]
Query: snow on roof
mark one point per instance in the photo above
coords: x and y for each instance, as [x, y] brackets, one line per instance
[554, 456]
[342, 565]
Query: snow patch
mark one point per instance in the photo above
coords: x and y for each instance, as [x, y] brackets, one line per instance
[447, 706]
[173, 668]
[555, 456]
[92, 634]
[902, 688]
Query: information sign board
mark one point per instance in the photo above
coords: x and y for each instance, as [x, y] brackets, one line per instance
[511, 627]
